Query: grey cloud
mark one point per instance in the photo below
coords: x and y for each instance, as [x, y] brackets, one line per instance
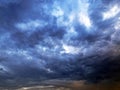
[32, 40]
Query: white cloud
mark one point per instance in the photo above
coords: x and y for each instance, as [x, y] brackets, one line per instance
[4, 69]
[30, 25]
[84, 19]
[83, 15]
[71, 17]
[69, 49]
[57, 12]
[112, 12]
[117, 24]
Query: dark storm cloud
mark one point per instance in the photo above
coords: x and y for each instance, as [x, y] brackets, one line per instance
[44, 39]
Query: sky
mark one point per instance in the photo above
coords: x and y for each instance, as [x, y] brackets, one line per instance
[54, 39]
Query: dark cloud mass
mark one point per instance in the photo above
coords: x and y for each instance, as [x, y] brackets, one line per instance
[54, 39]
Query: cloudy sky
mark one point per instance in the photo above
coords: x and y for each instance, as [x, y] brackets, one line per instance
[54, 39]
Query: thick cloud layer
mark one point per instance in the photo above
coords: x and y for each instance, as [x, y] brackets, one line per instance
[53, 39]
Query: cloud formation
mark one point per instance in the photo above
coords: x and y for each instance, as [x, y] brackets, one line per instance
[48, 39]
